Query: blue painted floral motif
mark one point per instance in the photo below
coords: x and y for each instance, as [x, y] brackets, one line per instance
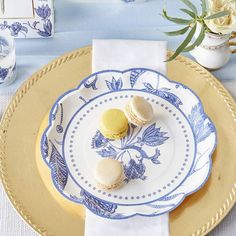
[3, 42]
[3, 73]
[92, 84]
[59, 127]
[45, 146]
[14, 28]
[114, 85]
[134, 170]
[7, 73]
[163, 93]
[44, 12]
[197, 119]
[58, 167]
[99, 140]
[134, 75]
[153, 136]
[130, 151]
[98, 206]
[18, 28]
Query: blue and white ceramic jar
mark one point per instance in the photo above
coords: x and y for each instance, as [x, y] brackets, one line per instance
[7, 59]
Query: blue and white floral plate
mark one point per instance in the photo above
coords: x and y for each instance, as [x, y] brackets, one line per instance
[163, 161]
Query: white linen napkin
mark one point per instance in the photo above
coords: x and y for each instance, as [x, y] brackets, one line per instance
[122, 55]
[125, 54]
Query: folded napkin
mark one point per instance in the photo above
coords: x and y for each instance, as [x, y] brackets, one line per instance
[125, 54]
[122, 55]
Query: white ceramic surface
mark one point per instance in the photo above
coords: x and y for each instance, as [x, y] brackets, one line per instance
[214, 52]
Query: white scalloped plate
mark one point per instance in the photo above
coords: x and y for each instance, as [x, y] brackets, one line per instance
[164, 161]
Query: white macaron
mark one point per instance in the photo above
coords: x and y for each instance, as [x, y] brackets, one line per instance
[109, 174]
[139, 111]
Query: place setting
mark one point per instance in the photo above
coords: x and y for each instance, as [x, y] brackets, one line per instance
[123, 137]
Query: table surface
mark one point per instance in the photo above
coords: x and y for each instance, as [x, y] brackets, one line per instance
[76, 25]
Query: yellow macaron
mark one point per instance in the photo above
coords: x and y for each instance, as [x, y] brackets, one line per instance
[113, 124]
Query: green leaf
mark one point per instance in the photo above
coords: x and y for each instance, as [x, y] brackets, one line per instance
[184, 44]
[217, 15]
[176, 20]
[190, 5]
[204, 8]
[190, 13]
[198, 41]
[178, 32]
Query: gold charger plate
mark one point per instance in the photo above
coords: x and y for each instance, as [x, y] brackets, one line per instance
[198, 214]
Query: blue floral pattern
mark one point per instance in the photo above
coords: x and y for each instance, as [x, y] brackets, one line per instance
[45, 146]
[3, 42]
[114, 85]
[58, 167]
[92, 84]
[134, 75]
[15, 28]
[164, 93]
[7, 73]
[3, 73]
[200, 123]
[101, 208]
[138, 151]
[59, 127]
[130, 152]
[41, 25]
[44, 12]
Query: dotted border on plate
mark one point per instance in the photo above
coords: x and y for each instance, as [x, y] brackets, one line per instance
[126, 197]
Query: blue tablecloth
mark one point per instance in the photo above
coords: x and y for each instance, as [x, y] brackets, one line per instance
[76, 25]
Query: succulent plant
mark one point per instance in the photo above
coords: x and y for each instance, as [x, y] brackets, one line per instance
[190, 25]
